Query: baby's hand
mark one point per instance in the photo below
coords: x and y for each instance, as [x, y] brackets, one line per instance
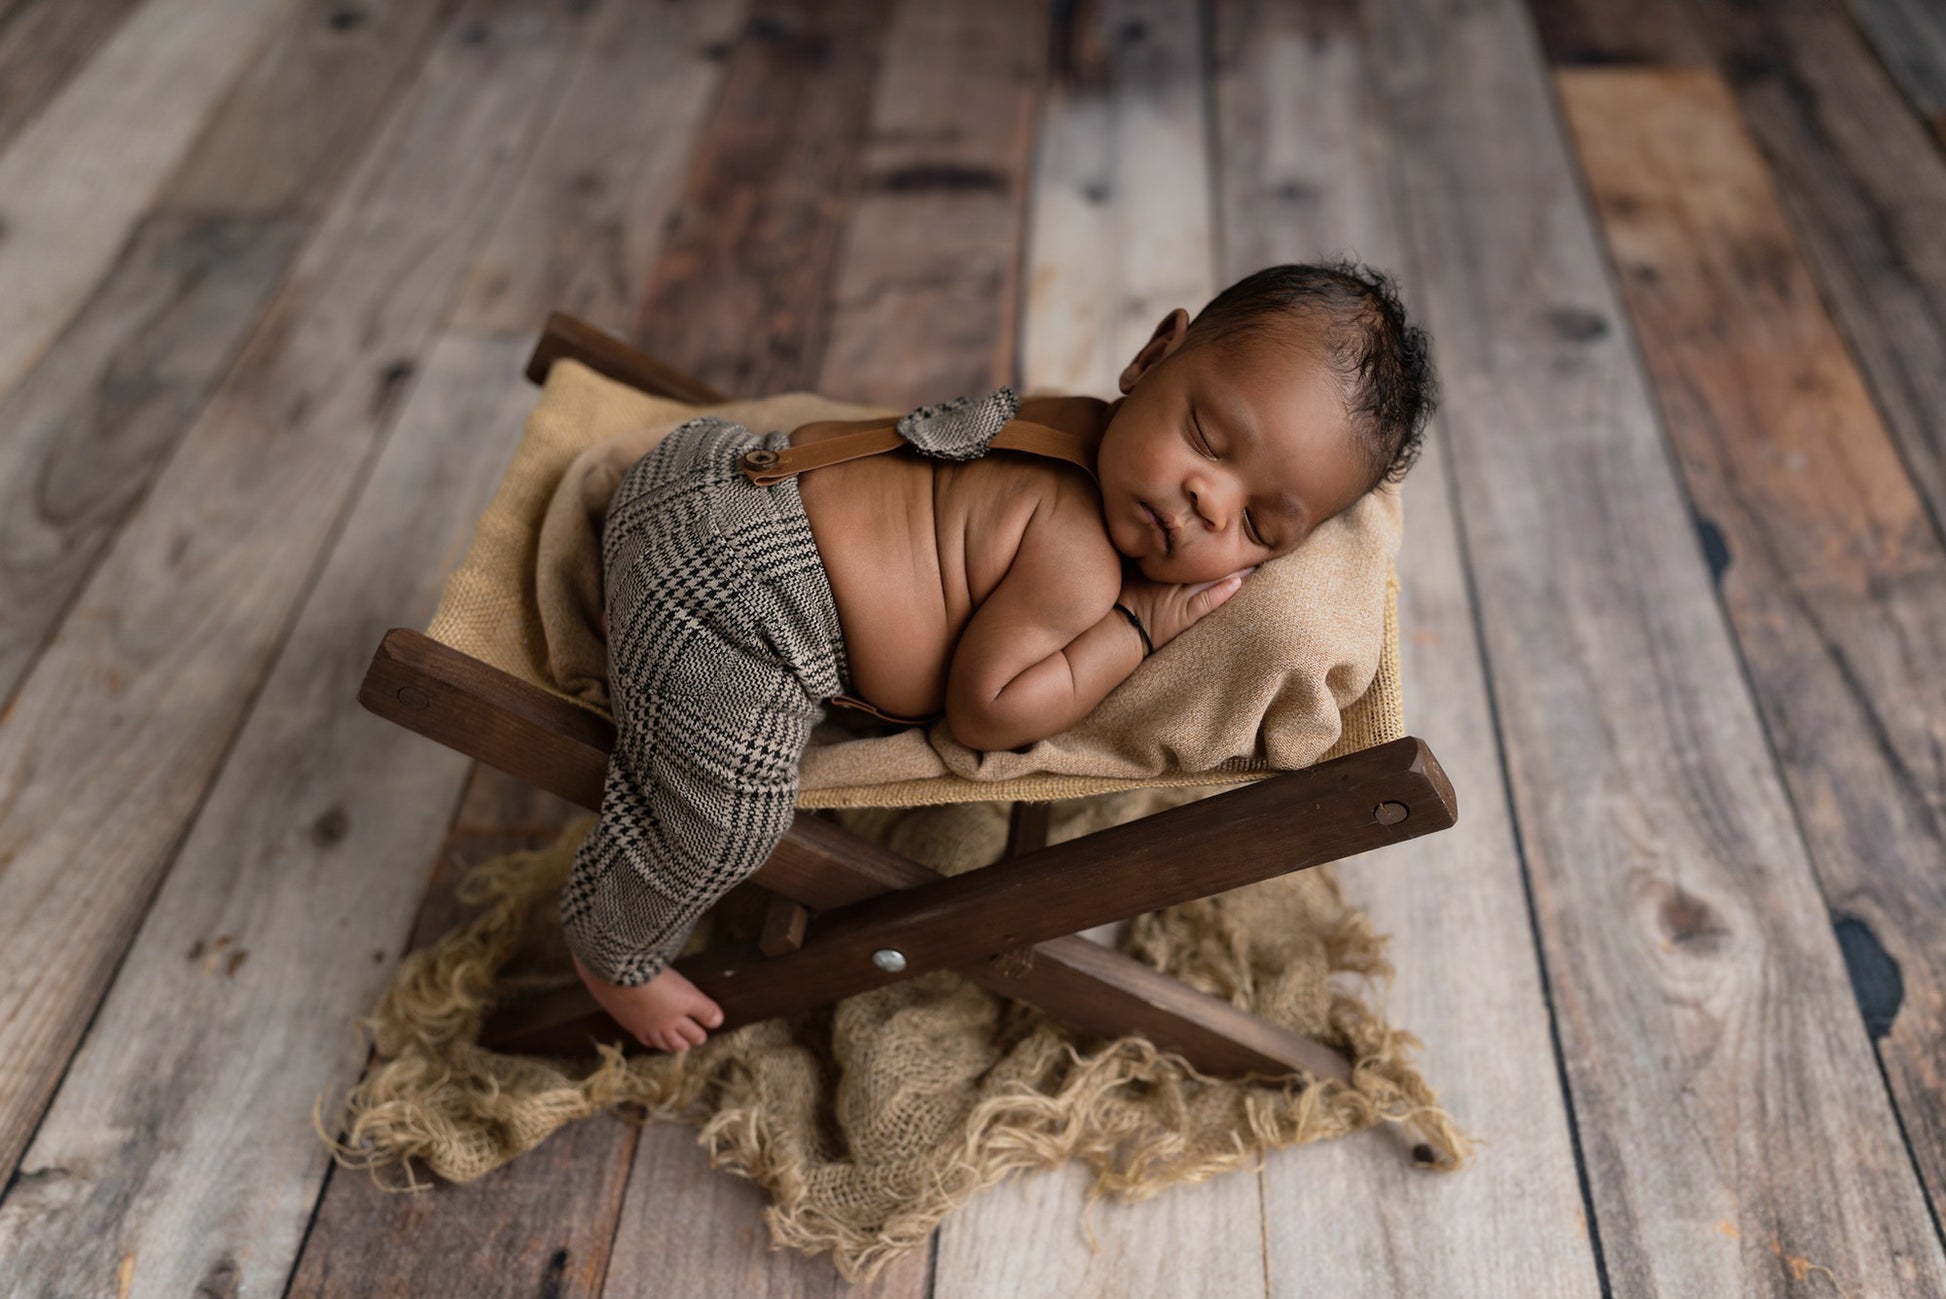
[1167, 608]
[668, 1012]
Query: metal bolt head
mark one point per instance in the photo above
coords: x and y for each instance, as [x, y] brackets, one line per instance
[1390, 813]
[889, 959]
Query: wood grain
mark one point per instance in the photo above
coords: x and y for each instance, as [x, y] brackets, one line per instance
[271, 146]
[739, 297]
[1830, 570]
[282, 917]
[1701, 1001]
[41, 46]
[1619, 31]
[925, 301]
[74, 181]
[542, 1224]
[1863, 183]
[1910, 38]
[111, 743]
[91, 427]
[1302, 173]
[582, 232]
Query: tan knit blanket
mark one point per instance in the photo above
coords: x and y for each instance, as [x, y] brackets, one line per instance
[1276, 679]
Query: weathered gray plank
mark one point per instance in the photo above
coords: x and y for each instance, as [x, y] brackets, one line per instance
[282, 917]
[112, 740]
[1302, 174]
[582, 231]
[1864, 185]
[542, 1224]
[41, 45]
[1618, 31]
[85, 434]
[1832, 574]
[269, 146]
[1910, 37]
[75, 180]
[1701, 1000]
[1120, 233]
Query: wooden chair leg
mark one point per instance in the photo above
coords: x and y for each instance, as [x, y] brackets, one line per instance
[607, 355]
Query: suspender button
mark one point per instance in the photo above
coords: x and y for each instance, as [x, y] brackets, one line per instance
[760, 458]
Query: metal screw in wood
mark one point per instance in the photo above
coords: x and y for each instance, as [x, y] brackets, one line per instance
[1390, 813]
[889, 959]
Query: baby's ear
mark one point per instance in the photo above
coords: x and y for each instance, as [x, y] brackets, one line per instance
[1167, 338]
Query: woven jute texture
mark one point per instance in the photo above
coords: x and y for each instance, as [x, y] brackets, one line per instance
[868, 1121]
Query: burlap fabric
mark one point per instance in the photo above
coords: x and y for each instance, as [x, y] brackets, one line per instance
[869, 1121]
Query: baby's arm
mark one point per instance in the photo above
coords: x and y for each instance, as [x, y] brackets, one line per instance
[1048, 644]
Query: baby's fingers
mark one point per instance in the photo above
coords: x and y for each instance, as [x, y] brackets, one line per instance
[1213, 595]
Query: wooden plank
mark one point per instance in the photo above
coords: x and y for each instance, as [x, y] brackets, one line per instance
[542, 1224]
[111, 742]
[90, 428]
[1832, 575]
[41, 46]
[1701, 1001]
[1910, 38]
[282, 918]
[925, 302]
[74, 181]
[684, 1219]
[1302, 174]
[582, 232]
[268, 148]
[1618, 31]
[1119, 234]
[739, 297]
[1863, 184]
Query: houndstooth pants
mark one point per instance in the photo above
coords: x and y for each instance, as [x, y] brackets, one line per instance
[724, 644]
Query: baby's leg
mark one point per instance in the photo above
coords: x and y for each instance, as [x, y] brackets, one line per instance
[700, 787]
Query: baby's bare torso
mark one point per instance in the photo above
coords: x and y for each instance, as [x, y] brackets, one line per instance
[913, 546]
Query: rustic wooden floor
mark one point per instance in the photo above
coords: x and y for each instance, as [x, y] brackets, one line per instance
[1675, 587]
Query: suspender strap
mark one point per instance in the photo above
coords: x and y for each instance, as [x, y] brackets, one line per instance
[765, 467]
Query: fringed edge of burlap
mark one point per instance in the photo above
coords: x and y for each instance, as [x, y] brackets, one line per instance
[429, 1069]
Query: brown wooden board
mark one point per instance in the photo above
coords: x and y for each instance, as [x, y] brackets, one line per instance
[1301, 174]
[280, 922]
[1826, 561]
[740, 294]
[925, 303]
[91, 427]
[582, 232]
[1703, 1007]
[112, 741]
[1618, 31]
[1864, 185]
[41, 46]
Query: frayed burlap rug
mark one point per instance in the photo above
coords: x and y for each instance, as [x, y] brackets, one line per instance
[869, 1121]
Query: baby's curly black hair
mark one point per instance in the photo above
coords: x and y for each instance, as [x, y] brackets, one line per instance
[1383, 362]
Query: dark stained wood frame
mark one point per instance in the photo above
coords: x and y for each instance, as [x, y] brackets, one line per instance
[852, 915]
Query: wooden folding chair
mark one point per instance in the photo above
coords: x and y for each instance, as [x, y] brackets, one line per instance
[846, 915]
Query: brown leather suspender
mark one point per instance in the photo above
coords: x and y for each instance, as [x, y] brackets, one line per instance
[765, 467]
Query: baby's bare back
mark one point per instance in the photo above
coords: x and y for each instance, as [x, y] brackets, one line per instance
[912, 547]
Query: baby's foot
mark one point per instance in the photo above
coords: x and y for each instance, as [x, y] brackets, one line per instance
[668, 1012]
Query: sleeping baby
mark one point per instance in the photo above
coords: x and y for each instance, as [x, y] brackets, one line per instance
[1005, 564]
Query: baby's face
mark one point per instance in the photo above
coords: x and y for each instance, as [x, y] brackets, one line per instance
[1224, 455]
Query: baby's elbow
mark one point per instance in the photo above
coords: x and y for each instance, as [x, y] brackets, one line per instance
[981, 726]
